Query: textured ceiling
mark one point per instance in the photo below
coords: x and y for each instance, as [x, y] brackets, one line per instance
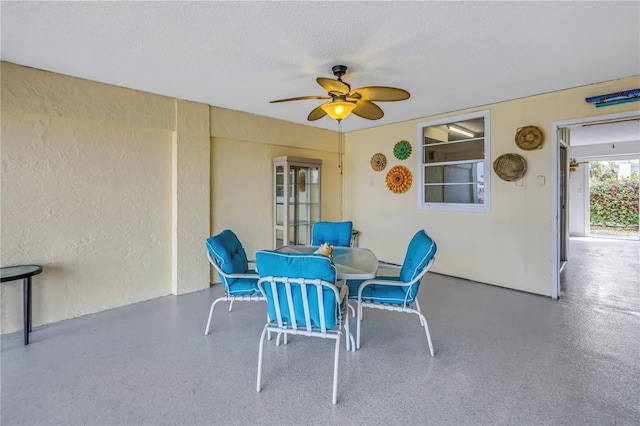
[240, 55]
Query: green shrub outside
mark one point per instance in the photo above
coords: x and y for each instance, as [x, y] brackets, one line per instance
[614, 202]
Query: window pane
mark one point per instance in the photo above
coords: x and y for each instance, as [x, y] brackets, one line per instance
[455, 131]
[454, 153]
[458, 151]
[462, 193]
[455, 173]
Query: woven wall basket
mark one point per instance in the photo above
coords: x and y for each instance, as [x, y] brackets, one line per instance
[529, 137]
[510, 167]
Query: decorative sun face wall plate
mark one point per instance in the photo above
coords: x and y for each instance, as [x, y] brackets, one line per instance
[399, 179]
[378, 162]
[402, 150]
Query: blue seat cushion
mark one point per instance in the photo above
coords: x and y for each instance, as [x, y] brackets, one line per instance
[333, 233]
[225, 248]
[297, 265]
[394, 295]
[244, 287]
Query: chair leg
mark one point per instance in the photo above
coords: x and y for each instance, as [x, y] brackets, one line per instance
[358, 323]
[353, 311]
[426, 329]
[335, 372]
[347, 336]
[286, 340]
[264, 331]
[206, 332]
[230, 306]
[418, 309]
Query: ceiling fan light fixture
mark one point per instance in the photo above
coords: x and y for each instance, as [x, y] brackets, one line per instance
[461, 131]
[344, 101]
[338, 110]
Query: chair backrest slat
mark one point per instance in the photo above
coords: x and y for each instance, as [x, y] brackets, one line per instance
[278, 316]
[292, 309]
[305, 305]
[323, 323]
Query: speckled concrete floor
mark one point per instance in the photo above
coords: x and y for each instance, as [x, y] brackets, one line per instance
[502, 358]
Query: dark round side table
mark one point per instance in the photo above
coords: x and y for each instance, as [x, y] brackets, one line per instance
[23, 272]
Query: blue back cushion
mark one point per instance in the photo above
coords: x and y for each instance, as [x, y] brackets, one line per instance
[297, 265]
[334, 233]
[420, 251]
[227, 251]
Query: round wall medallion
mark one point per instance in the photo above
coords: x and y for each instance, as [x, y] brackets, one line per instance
[402, 150]
[399, 179]
[529, 137]
[378, 162]
[510, 167]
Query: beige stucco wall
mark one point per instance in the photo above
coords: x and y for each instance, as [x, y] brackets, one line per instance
[114, 191]
[242, 150]
[511, 245]
[107, 188]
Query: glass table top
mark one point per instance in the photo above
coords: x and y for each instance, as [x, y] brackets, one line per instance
[10, 273]
[351, 262]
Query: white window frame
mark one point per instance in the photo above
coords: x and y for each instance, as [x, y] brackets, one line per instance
[461, 207]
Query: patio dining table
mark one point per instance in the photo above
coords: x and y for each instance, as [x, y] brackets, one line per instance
[352, 263]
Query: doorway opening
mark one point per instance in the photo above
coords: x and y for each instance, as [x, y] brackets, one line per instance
[585, 139]
[614, 198]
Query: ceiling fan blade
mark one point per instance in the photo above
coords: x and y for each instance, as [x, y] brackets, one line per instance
[301, 98]
[380, 94]
[368, 110]
[317, 113]
[335, 87]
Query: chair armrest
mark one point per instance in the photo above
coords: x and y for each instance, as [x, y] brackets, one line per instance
[241, 276]
[394, 283]
[382, 281]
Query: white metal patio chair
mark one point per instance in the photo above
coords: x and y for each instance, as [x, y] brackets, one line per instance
[302, 299]
[226, 254]
[400, 293]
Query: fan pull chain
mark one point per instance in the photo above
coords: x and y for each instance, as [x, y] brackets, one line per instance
[340, 145]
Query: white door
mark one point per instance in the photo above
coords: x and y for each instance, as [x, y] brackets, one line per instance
[563, 195]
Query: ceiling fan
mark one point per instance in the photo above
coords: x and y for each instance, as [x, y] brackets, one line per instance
[345, 101]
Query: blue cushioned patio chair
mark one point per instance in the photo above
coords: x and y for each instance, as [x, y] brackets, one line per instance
[226, 254]
[398, 293]
[302, 299]
[333, 233]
